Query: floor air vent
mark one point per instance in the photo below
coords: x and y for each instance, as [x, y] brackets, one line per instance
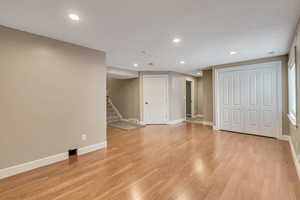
[72, 152]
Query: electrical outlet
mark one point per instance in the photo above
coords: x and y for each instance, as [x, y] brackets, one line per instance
[83, 137]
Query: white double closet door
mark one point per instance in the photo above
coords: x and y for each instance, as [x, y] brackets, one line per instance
[249, 99]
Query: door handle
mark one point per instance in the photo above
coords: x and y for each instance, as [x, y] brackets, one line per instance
[146, 103]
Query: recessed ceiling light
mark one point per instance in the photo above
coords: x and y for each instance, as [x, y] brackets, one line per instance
[233, 52]
[135, 65]
[182, 62]
[74, 17]
[200, 73]
[176, 40]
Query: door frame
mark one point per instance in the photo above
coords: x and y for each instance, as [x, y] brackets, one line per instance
[192, 97]
[273, 64]
[163, 76]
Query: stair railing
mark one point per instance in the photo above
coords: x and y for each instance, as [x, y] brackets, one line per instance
[114, 107]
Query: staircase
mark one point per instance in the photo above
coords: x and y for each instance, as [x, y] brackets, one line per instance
[112, 114]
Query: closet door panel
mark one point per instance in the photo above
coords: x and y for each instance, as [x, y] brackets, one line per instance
[226, 100]
[231, 116]
[269, 101]
[252, 101]
[237, 113]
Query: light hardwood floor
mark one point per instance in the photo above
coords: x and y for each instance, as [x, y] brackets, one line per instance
[182, 162]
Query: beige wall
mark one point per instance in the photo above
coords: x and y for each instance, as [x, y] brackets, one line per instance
[206, 101]
[125, 95]
[284, 61]
[200, 96]
[51, 93]
[177, 96]
[295, 132]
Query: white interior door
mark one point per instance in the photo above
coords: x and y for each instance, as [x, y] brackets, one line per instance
[269, 102]
[248, 99]
[155, 89]
[252, 100]
[231, 97]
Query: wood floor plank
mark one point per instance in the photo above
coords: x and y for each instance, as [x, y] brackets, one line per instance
[172, 162]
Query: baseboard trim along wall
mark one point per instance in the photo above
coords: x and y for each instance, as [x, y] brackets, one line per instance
[14, 170]
[177, 121]
[17, 169]
[207, 123]
[132, 120]
[284, 137]
[91, 148]
[294, 155]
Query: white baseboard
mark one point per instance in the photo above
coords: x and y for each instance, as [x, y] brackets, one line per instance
[14, 170]
[294, 155]
[284, 137]
[207, 123]
[199, 115]
[32, 165]
[177, 121]
[132, 120]
[142, 123]
[91, 148]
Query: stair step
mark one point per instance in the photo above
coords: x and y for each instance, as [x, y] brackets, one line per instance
[111, 114]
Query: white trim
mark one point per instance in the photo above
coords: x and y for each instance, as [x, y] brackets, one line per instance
[247, 67]
[194, 122]
[215, 126]
[216, 99]
[132, 120]
[294, 155]
[177, 121]
[280, 113]
[284, 138]
[156, 76]
[292, 114]
[114, 72]
[292, 119]
[207, 123]
[91, 148]
[199, 115]
[17, 169]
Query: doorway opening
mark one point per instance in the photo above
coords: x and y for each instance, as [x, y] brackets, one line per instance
[188, 99]
[122, 100]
